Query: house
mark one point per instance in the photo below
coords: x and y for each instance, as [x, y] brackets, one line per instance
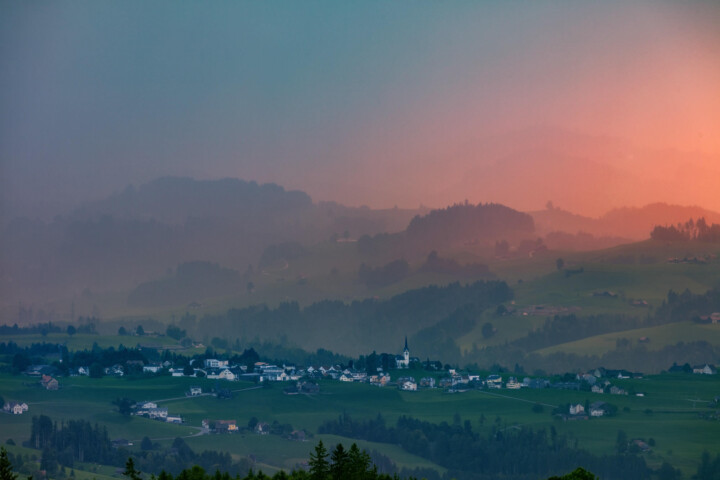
[226, 426]
[152, 368]
[49, 383]
[706, 369]
[408, 386]
[513, 384]
[617, 391]
[577, 409]
[262, 428]
[215, 363]
[536, 383]
[346, 378]
[157, 413]
[494, 381]
[298, 435]
[380, 380]
[121, 442]
[597, 409]
[15, 408]
[174, 419]
[145, 405]
[85, 371]
[115, 371]
[597, 389]
[195, 391]
[403, 361]
[644, 447]
[427, 382]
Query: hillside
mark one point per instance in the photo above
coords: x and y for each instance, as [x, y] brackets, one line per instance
[142, 232]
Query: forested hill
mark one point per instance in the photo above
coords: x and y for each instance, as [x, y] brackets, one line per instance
[456, 225]
[141, 232]
[174, 200]
[432, 317]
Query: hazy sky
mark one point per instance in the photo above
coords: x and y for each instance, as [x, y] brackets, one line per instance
[361, 102]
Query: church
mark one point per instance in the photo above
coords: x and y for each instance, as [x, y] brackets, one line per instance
[403, 361]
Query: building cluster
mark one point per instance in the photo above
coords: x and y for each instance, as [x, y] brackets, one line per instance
[151, 410]
[15, 408]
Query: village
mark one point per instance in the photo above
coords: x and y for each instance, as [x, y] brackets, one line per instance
[306, 381]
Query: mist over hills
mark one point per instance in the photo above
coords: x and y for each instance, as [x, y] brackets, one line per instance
[629, 223]
[584, 173]
[142, 232]
[140, 236]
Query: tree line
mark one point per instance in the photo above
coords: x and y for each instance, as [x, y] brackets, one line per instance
[512, 454]
[695, 230]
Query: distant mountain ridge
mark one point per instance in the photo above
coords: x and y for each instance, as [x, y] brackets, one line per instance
[632, 223]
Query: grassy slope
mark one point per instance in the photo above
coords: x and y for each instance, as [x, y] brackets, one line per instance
[674, 423]
[659, 337]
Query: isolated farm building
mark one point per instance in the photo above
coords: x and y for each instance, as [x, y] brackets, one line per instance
[597, 409]
[49, 383]
[195, 391]
[706, 369]
[174, 419]
[262, 428]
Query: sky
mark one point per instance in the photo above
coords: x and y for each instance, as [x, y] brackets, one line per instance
[374, 102]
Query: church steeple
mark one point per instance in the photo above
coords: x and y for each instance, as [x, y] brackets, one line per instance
[406, 347]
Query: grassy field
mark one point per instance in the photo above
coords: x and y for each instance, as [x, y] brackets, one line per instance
[658, 336]
[670, 413]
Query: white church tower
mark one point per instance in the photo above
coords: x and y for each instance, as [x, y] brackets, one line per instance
[404, 360]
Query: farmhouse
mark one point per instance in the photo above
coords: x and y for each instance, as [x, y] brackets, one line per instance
[597, 409]
[513, 384]
[577, 409]
[226, 426]
[706, 369]
[49, 383]
[195, 391]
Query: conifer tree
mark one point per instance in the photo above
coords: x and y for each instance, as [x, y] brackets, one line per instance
[319, 466]
[6, 470]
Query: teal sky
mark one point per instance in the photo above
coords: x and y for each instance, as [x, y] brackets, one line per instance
[341, 99]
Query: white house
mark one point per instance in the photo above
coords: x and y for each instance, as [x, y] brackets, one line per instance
[409, 386]
[513, 384]
[215, 363]
[494, 381]
[704, 369]
[577, 409]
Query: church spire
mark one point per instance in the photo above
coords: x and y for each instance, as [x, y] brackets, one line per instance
[406, 347]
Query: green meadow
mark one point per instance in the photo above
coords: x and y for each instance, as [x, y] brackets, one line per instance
[671, 412]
